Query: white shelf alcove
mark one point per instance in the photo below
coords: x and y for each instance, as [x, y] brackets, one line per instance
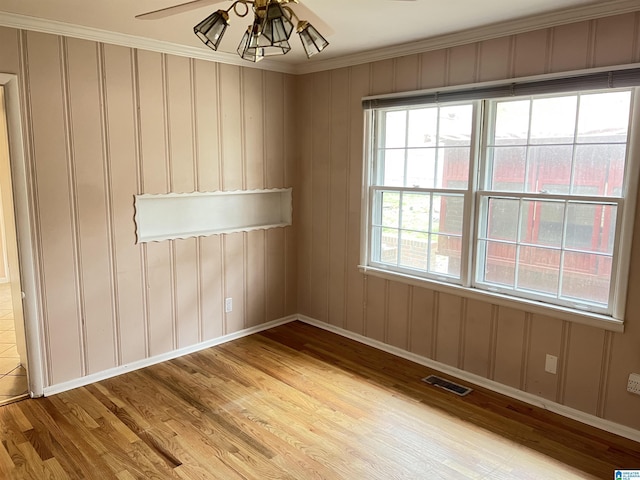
[198, 214]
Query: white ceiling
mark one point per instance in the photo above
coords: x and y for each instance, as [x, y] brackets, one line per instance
[358, 25]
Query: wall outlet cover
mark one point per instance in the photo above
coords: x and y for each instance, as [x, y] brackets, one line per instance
[633, 385]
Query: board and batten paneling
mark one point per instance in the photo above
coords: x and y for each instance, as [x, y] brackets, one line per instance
[503, 344]
[104, 123]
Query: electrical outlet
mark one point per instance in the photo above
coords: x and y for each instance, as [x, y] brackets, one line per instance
[633, 385]
[228, 305]
[551, 364]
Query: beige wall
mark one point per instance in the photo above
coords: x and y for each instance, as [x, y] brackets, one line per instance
[499, 343]
[103, 123]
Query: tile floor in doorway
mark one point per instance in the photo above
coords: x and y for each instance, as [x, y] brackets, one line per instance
[13, 378]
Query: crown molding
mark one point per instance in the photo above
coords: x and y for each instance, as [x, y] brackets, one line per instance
[502, 29]
[24, 22]
[512, 27]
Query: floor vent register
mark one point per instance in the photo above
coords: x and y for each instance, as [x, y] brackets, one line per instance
[447, 385]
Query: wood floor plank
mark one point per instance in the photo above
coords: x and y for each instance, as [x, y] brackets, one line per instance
[297, 403]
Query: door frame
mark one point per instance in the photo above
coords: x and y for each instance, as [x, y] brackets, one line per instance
[23, 201]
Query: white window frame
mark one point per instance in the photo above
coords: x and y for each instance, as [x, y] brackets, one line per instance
[467, 287]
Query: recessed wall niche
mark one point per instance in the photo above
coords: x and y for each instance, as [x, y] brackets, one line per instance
[183, 215]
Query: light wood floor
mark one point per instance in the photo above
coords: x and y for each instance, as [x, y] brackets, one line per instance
[295, 402]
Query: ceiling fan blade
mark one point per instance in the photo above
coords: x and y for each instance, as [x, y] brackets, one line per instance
[175, 9]
[305, 13]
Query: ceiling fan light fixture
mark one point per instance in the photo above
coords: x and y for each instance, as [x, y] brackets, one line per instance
[312, 41]
[277, 25]
[254, 46]
[211, 29]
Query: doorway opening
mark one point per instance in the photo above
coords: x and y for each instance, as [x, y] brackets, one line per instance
[13, 353]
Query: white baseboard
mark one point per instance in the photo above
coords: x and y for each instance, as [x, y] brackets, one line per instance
[529, 398]
[130, 367]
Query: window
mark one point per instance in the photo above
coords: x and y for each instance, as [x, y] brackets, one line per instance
[522, 197]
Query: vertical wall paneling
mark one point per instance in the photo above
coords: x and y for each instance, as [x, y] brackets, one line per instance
[463, 64]
[234, 252]
[545, 339]
[46, 117]
[276, 270]
[358, 87]
[121, 126]
[407, 73]
[207, 155]
[584, 364]
[495, 59]
[397, 321]
[276, 132]
[614, 40]
[254, 124]
[421, 319]
[604, 373]
[530, 56]
[253, 127]
[382, 77]
[232, 130]
[255, 278]
[508, 351]
[339, 190]
[477, 338]
[292, 159]
[570, 47]
[433, 69]
[183, 174]
[376, 297]
[90, 199]
[320, 191]
[231, 127]
[302, 210]
[140, 188]
[154, 168]
[448, 330]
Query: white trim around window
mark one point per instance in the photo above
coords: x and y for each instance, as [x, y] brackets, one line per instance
[405, 211]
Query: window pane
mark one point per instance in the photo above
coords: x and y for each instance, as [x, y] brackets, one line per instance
[445, 255]
[502, 219]
[538, 269]
[416, 211]
[423, 127]
[604, 117]
[507, 167]
[447, 214]
[395, 129]
[542, 222]
[590, 226]
[390, 209]
[455, 125]
[598, 169]
[421, 164]
[586, 277]
[553, 120]
[549, 169]
[512, 122]
[414, 250]
[453, 166]
[389, 246]
[393, 168]
[500, 263]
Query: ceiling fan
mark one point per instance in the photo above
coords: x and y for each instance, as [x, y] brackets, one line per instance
[268, 34]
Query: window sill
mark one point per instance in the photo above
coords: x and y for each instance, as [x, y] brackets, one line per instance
[562, 313]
